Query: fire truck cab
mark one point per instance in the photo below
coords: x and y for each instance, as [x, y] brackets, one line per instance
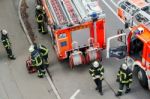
[77, 29]
[137, 43]
[128, 8]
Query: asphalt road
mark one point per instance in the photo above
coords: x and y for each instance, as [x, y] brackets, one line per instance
[16, 83]
[68, 81]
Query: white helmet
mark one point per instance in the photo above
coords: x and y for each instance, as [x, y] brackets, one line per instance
[31, 48]
[38, 7]
[124, 66]
[95, 64]
[4, 32]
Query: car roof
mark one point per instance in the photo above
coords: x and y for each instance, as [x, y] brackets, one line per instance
[139, 3]
[145, 37]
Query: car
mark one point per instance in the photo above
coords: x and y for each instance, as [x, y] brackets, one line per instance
[141, 17]
[127, 8]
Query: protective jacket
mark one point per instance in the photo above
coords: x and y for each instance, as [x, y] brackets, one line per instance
[40, 18]
[36, 58]
[43, 50]
[5, 41]
[97, 72]
[124, 76]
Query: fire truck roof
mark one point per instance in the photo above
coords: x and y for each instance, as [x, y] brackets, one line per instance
[145, 35]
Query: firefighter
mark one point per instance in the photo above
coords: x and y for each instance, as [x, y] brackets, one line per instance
[38, 2]
[97, 71]
[37, 61]
[124, 77]
[43, 52]
[7, 44]
[41, 19]
[39, 10]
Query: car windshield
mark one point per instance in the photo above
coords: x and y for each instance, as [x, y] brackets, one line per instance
[141, 18]
[147, 9]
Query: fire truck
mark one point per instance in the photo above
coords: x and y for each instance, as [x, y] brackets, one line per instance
[77, 29]
[136, 47]
[128, 8]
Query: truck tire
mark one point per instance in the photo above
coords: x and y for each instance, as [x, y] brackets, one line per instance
[142, 78]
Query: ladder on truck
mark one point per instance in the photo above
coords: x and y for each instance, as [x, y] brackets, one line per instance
[70, 11]
[58, 12]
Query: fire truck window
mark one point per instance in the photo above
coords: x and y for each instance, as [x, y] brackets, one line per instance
[136, 48]
[63, 35]
[63, 44]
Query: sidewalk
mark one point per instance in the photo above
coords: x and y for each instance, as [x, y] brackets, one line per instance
[15, 82]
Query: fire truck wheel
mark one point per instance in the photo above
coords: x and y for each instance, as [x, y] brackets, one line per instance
[142, 78]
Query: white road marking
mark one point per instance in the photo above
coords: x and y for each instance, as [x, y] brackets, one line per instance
[53, 87]
[30, 41]
[75, 94]
[113, 2]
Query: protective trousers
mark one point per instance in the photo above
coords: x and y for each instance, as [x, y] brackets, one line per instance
[41, 71]
[98, 83]
[41, 27]
[45, 61]
[121, 86]
[9, 52]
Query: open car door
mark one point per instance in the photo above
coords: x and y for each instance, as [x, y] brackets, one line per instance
[118, 52]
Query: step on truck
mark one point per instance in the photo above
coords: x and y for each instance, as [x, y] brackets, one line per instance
[135, 49]
[77, 29]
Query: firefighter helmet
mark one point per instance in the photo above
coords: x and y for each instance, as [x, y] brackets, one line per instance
[4, 32]
[38, 7]
[31, 48]
[95, 64]
[124, 66]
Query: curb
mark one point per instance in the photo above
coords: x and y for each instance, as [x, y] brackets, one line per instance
[30, 41]
[23, 25]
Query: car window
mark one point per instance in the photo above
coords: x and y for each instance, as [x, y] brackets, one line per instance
[146, 9]
[123, 7]
[140, 18]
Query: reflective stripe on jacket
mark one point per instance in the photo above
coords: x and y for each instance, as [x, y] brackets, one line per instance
[97, 72]
[125, 76]
[43, 50]
[36, 58]
[40, 18]
[6, 42]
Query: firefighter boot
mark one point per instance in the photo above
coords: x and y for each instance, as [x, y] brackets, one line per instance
[101, 93]
[96, 88]
[119, 94]
[40, 74]
[11, 57]
[43, 72]
[128, 90]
